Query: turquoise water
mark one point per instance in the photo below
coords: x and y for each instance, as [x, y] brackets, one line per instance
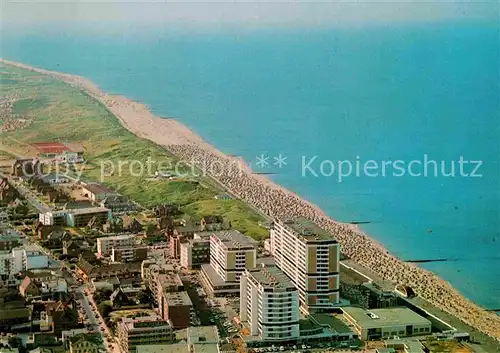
[378, 93]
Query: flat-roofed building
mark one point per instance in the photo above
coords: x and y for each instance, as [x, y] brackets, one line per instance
[196, 251]
[177, 308]
[387, 322]
[53, 218]
[230, 253]
[105, 245]
[269, 304]
[129, 254]
[80, 217]
[309, 255]
[164, 348]
[149, 330]
[203, 334]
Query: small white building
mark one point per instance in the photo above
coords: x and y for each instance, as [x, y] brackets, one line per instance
[56, 178]
[53, 218]
[29, 260]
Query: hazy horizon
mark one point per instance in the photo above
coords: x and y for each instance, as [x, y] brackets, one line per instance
[257, 14]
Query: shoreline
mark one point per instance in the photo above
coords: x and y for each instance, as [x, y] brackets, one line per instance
[276, 201]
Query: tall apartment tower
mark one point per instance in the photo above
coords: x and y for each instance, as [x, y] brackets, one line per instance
[269, 304]
[309, 255]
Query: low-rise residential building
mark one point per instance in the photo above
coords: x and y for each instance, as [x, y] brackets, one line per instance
[386, 322]
[96, 192]
[176, 309]
[105, 245]
[74, 247]
[269, 304]
[150, 330]
[117, 203]
[129, 254]
[55, 178]
[8, 193]
[14, 317]
[101, 271]
[196, 251]
[211, 223]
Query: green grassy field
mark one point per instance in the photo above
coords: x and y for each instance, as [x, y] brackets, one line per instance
[60, 112]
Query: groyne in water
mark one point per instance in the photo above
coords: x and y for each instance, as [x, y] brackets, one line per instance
[428, 260]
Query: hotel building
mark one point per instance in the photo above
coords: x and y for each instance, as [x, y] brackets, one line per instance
[269, 304]
[310, 257]
[230, 253]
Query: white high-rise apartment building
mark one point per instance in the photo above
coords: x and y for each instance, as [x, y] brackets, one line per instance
[310, 257]
[269, 304]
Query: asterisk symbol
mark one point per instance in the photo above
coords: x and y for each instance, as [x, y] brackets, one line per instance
[262, 161]
[280, 161]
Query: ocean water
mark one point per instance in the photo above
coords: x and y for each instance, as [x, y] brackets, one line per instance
[381, 94]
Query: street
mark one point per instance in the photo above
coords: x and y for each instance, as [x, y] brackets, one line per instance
[28, 195]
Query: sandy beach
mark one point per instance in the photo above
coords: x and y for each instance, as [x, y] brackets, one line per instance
[276, 201]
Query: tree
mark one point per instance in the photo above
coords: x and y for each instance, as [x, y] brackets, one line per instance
[14, 341]
[145, 297]
[22, 209]
[105, 309]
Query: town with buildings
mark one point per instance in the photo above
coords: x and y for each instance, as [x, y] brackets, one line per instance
[83, 269]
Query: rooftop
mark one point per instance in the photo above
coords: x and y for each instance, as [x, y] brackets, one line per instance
[205, 348]
[118, 237]
[202, 334]
[270, 276]
[177, 299]
[374, 318]
[233, 239]
[169, 279]
[6, 314]
[96, 188]
[307, 229]
[143, 322]
[330, 321]
[77, 211]
[50, 147]
[163, 348]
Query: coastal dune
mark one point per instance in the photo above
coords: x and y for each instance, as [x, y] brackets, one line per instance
[278, 202]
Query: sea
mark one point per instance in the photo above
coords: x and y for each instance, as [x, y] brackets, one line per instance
[401, 105]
